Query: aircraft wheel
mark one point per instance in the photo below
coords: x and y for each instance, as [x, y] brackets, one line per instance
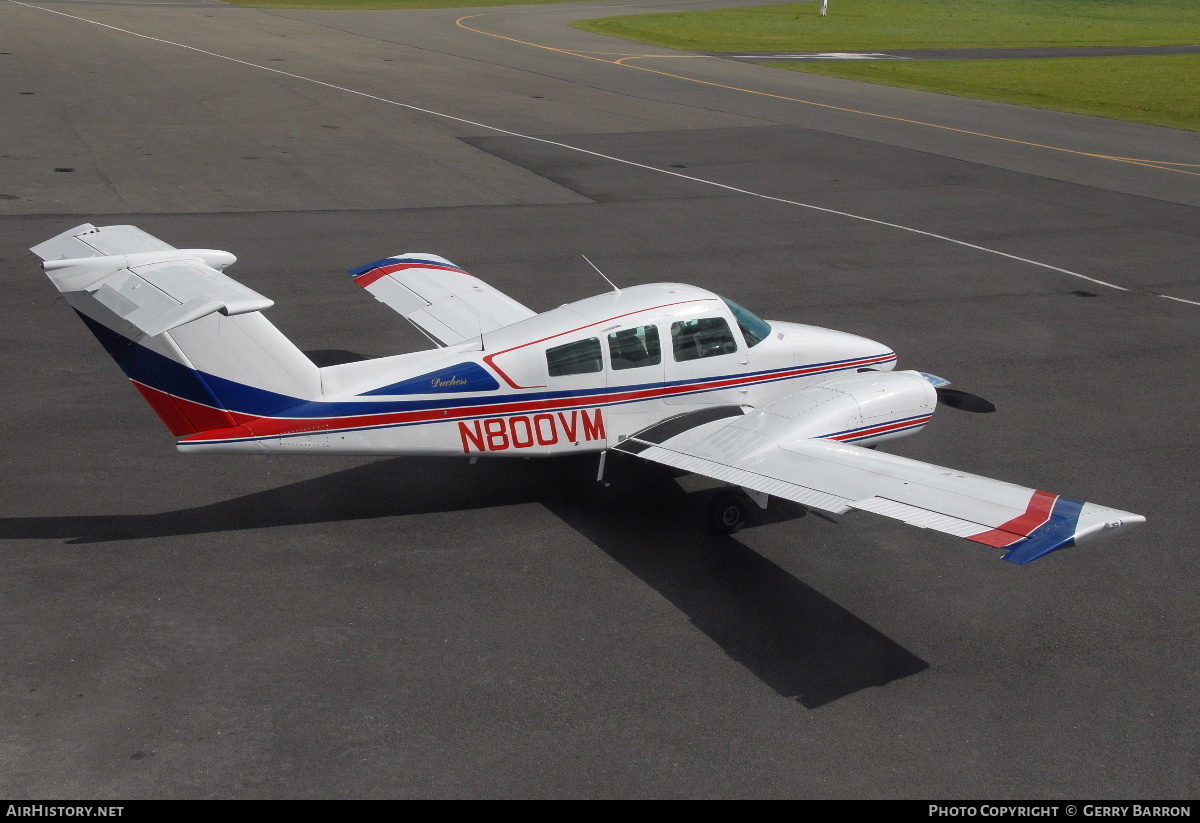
[727, 512]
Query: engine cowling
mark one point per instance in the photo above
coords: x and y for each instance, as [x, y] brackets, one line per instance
[865, 408]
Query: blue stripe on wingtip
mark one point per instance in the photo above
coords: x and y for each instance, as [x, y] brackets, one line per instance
[1057, 533]
[389, 261]
[370, 266]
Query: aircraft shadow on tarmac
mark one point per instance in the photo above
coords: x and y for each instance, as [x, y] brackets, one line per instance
[793, 638]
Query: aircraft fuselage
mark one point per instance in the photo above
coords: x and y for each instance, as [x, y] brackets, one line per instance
[574, 379]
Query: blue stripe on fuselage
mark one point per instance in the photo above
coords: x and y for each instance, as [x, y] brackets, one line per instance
[153, 369]
[249, 400]
[160, 372]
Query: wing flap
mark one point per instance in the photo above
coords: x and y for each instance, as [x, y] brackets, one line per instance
[439, 298]
[757, 481]
[392, 293]
[436, 328]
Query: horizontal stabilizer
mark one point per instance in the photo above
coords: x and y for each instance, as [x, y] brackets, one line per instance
[89, 241]
[442, 300]
[154, 289]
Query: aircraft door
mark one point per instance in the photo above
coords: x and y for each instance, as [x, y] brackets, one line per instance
[704, 358]
[635, 378]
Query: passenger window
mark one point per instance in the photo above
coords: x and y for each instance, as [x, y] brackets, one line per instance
[580, 357]
[704, 337]
[634, 348]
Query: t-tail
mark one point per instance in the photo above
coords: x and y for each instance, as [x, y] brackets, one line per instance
[192, 340]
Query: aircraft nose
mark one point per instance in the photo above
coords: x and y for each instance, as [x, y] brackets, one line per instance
[882, 357]
[814, 344]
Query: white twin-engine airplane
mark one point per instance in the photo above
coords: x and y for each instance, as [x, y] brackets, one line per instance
[670, 373]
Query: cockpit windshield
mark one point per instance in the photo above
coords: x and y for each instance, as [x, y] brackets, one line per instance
[753, 327]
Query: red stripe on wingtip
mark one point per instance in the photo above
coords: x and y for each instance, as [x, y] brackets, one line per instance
[370, 277]
[1017, 529]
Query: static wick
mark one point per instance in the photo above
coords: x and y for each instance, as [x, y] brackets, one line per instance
[602, 274]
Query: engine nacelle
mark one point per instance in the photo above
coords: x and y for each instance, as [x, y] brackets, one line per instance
[865, 408]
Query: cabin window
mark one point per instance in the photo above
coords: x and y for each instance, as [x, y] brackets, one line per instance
[702, 337]
[753, 327]
[580, 357]
[634, 348]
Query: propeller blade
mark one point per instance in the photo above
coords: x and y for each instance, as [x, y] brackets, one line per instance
[963, 401]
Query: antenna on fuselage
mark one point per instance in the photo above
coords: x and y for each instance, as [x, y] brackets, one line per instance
[597, 268]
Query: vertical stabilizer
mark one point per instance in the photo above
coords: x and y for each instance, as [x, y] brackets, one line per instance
[193, 341]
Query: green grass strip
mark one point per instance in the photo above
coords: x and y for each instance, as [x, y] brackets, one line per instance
[349, 5]
[1161, 90]
[873, 25]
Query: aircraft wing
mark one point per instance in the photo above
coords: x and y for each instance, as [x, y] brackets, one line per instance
[442, 300]
[757, 452]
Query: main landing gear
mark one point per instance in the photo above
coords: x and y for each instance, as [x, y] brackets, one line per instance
[729, 508]
[727, 512]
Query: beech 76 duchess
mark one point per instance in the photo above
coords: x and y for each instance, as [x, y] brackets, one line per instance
[670, 373]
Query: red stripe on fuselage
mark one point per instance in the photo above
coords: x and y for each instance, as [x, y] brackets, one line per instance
[184, 417]
[1036, 515]
[290, 426]
[490, 359]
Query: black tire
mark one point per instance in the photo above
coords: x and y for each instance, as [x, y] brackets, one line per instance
[727, 512]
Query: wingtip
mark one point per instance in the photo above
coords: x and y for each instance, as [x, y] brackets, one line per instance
[1029, 550]
[1095, 522]
[361, 270]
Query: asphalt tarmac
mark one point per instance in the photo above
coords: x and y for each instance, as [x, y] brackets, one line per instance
[244, 627]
